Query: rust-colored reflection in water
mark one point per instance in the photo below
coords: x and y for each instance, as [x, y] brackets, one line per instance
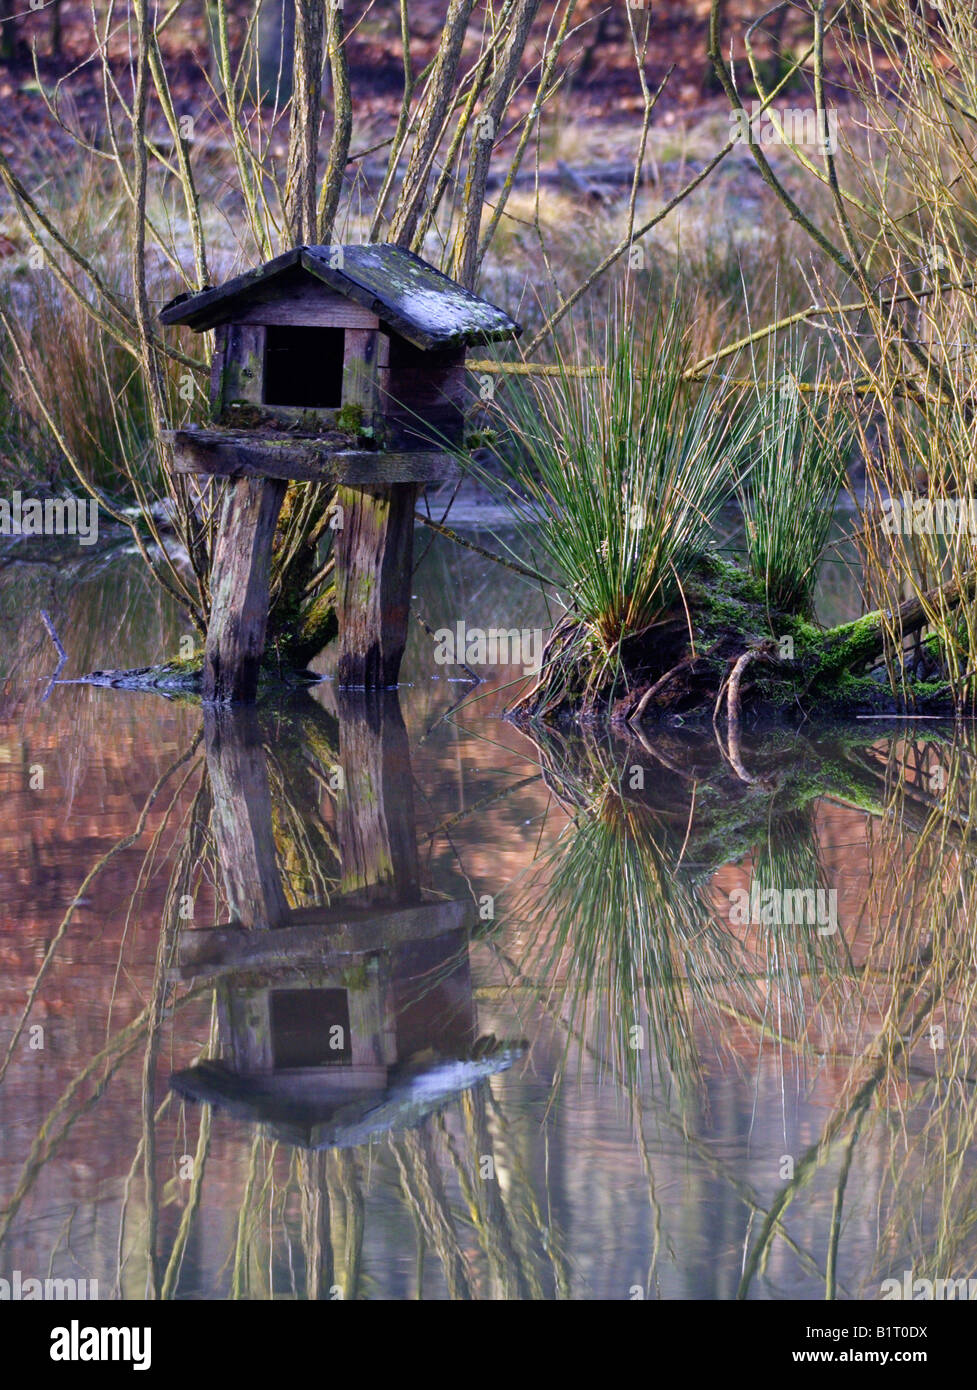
[360, 997]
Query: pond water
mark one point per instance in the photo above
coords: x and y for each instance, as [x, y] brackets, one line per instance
[388, 999]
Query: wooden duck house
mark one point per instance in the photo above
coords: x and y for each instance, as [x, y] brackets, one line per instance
[335, 364]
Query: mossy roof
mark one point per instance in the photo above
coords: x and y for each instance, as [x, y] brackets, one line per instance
[406, 293]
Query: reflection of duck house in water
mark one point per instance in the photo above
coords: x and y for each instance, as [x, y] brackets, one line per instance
[340, 1026]
[338, 1022]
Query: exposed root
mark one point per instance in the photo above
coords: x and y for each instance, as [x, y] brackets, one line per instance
[764, 652]
[638, 713]
[655, 675]
[732, 687]
[561, 638]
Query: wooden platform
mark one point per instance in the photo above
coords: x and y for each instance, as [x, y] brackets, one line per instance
[288, 457]
[319, 936]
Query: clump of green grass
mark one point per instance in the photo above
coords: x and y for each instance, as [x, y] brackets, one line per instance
[618, 469]
[798, 459]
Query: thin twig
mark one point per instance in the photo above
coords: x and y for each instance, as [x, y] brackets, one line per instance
[62, 654]
[480, 550]
[52, 633]
[431, 633]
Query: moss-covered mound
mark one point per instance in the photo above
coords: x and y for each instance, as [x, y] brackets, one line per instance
[723, 652]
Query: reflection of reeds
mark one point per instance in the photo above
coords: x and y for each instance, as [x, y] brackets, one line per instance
[787, 860]
[928, 1202]
[609, 885]
[626, 944]
[910, 1089]
[627, 935]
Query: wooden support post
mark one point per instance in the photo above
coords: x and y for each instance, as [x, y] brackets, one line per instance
[239, 590]
[375, 815]
[374, 554]
[244, 833]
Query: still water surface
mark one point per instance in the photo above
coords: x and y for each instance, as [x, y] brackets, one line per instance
[386, 999]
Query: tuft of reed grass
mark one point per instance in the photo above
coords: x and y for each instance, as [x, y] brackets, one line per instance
[619, 473]
[75, 408]
[96, 387]
[798, 460]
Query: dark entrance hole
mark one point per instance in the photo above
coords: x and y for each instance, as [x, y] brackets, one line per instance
[302, 1024]
[304, 367]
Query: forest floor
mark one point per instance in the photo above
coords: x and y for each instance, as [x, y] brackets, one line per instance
[602, 86]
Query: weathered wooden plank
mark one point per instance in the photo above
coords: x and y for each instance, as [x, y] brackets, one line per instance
[237, 367]
[292, 420]
[374, 551]
[241, 455]
[360, 373]
[239, 590]
[319, 936]
[217, 370]
[423, 396]
[424, 410]
[307, 305]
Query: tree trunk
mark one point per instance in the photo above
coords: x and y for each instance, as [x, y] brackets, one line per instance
[303, 134]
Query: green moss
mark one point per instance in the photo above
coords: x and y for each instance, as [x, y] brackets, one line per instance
[356, 977]
[349, 418]
[818, 670]
[847, 647]
[853, 692]
[726, 597]
[185, 665]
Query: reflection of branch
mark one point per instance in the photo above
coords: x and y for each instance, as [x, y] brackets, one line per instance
[52, 633]
[815, 1154]
[483, 1194]
[48, 1139]
[476, 680]
[703, 1151]
[177, 889]
[239, 1277]
[479, 805]
[344, 1182]
[425, 1194]
[831, 1273]
[62, 654]
[175, 1264]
